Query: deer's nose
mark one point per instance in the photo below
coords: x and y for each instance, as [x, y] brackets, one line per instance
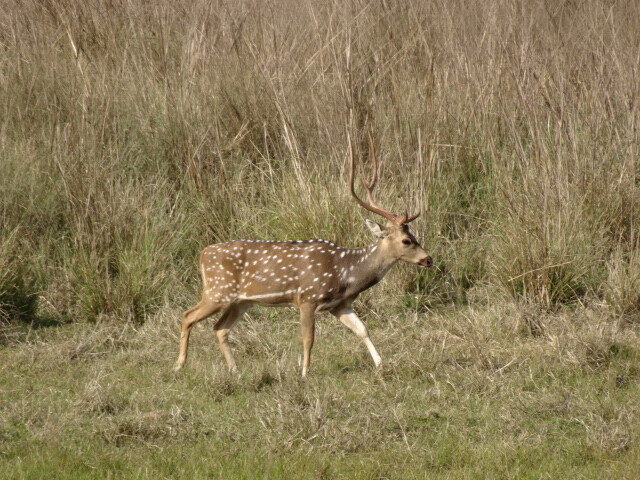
[426, 261]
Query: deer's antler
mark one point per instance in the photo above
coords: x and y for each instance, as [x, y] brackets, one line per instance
[372, 206]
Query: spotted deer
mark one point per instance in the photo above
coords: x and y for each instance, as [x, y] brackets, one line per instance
[313, 275]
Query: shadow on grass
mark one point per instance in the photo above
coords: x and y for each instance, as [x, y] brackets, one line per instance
[17, 330]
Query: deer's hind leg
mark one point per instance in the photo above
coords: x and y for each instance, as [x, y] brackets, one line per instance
[307, 327]
[223, 326]
[192, 316]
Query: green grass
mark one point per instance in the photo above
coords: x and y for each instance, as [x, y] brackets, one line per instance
[461, 395]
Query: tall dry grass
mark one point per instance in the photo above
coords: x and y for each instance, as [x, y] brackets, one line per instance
[134, 133]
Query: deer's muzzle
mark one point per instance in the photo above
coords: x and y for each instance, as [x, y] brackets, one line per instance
[426, 261]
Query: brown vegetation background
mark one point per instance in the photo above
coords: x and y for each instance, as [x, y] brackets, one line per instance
[135, 133]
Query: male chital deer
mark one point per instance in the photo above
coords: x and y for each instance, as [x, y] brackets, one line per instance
[313, 275]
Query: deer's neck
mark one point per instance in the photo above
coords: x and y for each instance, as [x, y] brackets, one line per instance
[364, 267]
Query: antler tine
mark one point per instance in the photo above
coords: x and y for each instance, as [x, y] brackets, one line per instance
[374, 165]
[371, 206]
[408, 218]
[374, 173]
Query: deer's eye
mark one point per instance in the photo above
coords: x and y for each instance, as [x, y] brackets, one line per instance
[406, 241]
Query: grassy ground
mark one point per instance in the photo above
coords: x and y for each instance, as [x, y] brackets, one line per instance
[482, 392]
[134, 133]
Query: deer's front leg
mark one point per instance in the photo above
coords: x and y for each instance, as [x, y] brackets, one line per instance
[349, 318]
[307, 326]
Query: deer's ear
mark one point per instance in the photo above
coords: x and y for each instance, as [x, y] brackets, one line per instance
[376, 229]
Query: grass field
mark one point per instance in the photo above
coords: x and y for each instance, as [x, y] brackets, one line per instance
[134, 133]
[469, 393]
